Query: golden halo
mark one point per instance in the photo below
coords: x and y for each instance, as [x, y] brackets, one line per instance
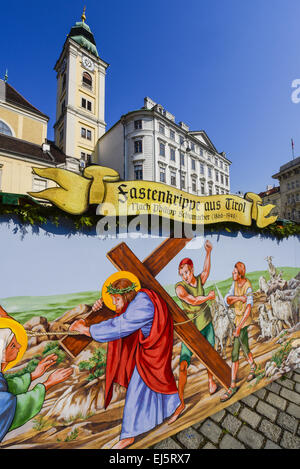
[21, 337]
[116, 276]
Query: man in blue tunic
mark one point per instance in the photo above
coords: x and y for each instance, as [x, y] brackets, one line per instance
[139, 357]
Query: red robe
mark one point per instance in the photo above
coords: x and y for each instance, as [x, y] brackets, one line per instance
[151, 355]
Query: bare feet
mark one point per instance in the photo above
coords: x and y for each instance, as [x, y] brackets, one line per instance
[212, 387]
[176, 414]
[123, 443]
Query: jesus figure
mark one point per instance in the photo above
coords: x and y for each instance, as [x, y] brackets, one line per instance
[140, 342]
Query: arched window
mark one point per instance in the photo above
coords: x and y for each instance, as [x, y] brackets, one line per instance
[87, 79]
[4, 129]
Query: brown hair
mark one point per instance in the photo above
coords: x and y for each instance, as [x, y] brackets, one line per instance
[124, 283]
[241, 268]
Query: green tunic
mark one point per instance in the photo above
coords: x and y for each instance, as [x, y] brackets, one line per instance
[192, 310]
[29, 403]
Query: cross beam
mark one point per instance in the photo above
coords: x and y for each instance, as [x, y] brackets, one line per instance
[124, 259]
[155, 262]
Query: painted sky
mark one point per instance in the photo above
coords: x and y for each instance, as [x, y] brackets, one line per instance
[225, 66]
[47, 264]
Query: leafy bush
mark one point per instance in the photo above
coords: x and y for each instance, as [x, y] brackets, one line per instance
[53, 347]
[95, 364]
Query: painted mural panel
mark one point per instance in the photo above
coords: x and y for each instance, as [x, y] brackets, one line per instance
[112, 343]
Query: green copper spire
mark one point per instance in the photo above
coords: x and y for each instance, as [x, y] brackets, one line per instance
[82, 34]
[6, 76]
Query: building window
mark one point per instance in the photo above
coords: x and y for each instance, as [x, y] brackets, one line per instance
[210, 191]
[209, 173]
[201, 151]
[162, 174]
[173, 178]
[172, 154]
[222, 179]
[216, 161]
[87, 80]
[217, 176]
[87, 157]
[193, 163]
[64, 81]
[182, 159]
[161, 129]
[85, 133]
[221, 164]
[181, 140]
[192, 146]
[209, 157]
[226, 180]
[138, 146]
[138, 124]
[194, 185]
[39, 184]
[217, 190]
[138, 171]
[162, 149]
[202, 188]
[86, 104]
[182, 181]
[4, 129]
[201, 168]
[61, 134]
[172, 135]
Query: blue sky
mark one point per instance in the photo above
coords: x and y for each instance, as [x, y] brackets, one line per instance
[49, 264]
[225, 66]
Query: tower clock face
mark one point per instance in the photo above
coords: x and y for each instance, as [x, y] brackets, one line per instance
[87, 63]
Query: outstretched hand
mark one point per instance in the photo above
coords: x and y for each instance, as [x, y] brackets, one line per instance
[58, 376]
[43, 366]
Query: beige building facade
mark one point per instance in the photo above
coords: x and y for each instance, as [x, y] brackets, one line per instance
[289, 179]
[80, 101]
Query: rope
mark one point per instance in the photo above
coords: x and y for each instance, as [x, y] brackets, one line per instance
[189, 320]
[36, 334]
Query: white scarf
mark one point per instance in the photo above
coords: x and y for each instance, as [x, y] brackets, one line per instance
[6, 336]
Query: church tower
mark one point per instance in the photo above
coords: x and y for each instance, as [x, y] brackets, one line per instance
[80, 101]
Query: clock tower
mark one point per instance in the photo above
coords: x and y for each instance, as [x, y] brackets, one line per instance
[80, 100]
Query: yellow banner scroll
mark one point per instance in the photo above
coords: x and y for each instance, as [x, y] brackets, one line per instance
[101, 185]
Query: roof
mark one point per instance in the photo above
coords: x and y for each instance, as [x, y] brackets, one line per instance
[14, 97]
[82, 34]
[32, 151]
[270, 191]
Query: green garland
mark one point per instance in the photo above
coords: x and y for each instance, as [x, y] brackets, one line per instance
[30, 213]
[120, 291]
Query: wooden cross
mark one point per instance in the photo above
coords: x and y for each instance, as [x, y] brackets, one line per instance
[124, 259]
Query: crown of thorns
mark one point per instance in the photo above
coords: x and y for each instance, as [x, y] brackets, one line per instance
[120, 291]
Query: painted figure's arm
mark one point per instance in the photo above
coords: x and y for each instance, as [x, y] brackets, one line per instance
[249, 302]
[139, 312]
[28, 405]
[231, 298]
[193, 300]
[207, 262]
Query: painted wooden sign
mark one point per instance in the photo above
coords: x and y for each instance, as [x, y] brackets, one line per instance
[120, 343]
